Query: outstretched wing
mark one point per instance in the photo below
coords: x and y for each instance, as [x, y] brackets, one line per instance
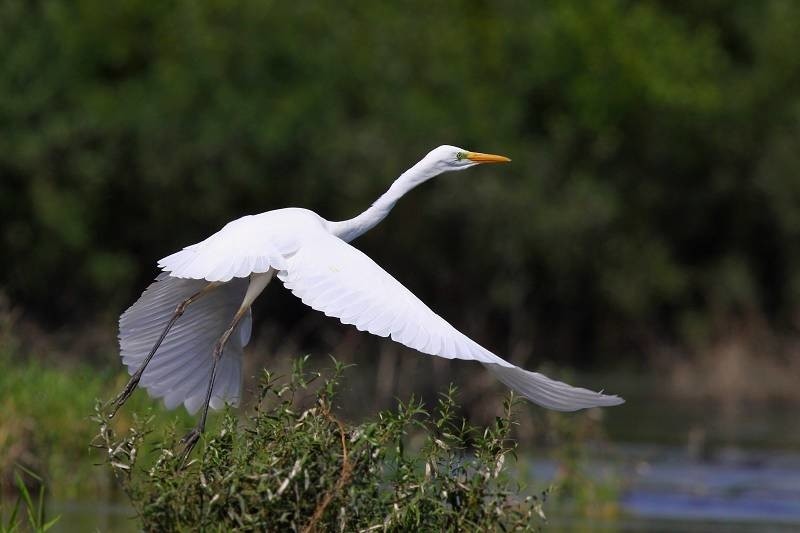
[331, 276]
[180, 371]
[242, 247]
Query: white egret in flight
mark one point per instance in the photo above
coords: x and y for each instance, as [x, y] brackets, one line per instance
[196, 315]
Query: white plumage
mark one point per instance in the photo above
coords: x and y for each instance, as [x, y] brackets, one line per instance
[313, 259]
[180, 372]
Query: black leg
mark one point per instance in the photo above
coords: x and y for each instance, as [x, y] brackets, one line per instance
[190, 439]
[134, 381]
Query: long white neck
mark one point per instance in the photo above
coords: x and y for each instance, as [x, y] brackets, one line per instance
[347, 230]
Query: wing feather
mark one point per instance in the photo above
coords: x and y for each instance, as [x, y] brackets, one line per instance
[359, 292]
[331, 276]
[240, 248]
[181, 368]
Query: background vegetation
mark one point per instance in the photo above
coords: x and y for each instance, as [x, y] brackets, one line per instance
[653, 195]
[649, 221]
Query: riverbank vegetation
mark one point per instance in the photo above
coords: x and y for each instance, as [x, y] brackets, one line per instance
[47, 427]
[292, 464]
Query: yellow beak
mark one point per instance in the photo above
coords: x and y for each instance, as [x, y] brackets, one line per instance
[487, 158]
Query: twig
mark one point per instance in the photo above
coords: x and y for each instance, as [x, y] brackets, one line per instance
[344, 478]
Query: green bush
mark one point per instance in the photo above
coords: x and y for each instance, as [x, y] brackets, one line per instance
[293, 465]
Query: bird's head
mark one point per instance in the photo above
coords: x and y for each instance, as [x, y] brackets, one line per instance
[447, 158]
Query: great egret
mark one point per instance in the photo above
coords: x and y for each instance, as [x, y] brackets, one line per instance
[210, 286]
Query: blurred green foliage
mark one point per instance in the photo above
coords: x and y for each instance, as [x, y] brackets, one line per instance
[45, 423]
[654, 191]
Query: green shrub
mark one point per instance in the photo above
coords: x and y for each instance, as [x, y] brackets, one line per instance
[291, 464]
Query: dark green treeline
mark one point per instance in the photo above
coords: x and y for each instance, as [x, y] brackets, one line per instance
[654, 192]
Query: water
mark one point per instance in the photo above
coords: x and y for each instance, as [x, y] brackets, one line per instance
[729, 465]
[735, 487]
[93, 516]
[665, 489]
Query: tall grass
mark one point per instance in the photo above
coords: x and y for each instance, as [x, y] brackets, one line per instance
[27, 513]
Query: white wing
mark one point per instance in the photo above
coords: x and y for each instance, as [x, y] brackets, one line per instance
[180, 370]
[331, 276]
[339, 280]
[239, 249]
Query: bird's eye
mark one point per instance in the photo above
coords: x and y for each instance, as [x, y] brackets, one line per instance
[460, 156]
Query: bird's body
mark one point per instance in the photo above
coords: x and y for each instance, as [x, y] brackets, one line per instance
[206, 285]
[247, 245]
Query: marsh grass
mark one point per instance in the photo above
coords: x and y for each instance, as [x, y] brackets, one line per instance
[292, 464]
[27, 513]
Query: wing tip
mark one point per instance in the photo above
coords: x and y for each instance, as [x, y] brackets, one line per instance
[605, 400]
[550, 393]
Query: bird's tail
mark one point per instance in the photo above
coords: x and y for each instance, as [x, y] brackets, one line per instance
[550, 393]
[180, 370]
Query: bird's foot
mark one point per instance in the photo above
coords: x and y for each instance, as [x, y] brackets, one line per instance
[189, 441]
[122, 397]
